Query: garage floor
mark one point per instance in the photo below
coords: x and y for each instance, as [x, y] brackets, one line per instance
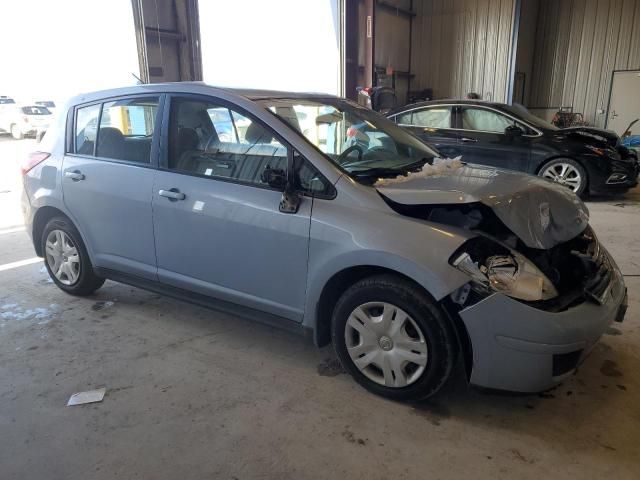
[197, 394]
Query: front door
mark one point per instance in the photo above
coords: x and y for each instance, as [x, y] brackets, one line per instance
[433, 125]
[107, 183]
[218, 228]
[484, 140]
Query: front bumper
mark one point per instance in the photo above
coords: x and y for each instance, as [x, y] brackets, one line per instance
[620, 175]
[520, 348]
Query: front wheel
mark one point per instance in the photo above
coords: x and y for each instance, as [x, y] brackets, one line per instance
[566, 172]
[393, 339]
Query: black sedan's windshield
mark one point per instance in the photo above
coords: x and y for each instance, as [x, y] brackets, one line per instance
[357, 139]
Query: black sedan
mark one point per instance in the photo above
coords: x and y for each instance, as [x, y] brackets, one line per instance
[585, 159]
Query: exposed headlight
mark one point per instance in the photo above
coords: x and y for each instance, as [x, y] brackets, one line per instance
[504, 271]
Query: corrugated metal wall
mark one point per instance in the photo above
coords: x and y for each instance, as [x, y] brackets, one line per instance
[579, 43]
[461, 46]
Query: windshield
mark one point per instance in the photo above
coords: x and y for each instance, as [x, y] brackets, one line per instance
[46, 103]
[527, 116]
[356, 139]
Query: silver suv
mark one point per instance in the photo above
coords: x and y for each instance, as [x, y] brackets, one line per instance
[324, 217]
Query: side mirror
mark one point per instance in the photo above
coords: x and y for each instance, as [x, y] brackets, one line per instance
[513, 131]
[290, 201]
[274, 177]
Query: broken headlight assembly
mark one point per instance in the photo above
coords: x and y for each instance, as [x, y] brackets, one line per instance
[493, 267]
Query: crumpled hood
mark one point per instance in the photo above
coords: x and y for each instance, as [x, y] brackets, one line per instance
[590, 135]
[541, 213]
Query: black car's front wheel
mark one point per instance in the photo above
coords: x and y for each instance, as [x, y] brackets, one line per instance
[393, 339]
[567, 172]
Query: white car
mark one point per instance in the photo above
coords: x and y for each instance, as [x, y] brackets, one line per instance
[25, 120]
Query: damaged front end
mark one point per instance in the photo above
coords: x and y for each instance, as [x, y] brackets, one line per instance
[497, 260]
[533, 240]
[541, 289]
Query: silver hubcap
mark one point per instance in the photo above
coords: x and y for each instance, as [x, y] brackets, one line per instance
[386, 344]
[62, 257]
[565, 174]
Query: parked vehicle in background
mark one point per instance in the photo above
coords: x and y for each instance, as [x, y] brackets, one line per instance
[48, 104]
[356, 233]
[584, 159]
[7, 104]
[24, 120]
[4, 100]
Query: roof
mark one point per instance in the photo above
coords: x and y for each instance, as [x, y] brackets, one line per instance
[196, 87]
[446, 101]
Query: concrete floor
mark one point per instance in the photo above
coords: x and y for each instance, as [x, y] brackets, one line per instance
[192, 393]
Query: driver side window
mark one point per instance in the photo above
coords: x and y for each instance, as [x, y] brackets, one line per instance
[213, 140]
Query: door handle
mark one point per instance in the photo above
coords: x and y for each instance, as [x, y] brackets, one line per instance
[468, 140]
[172, 194]
[74, 175]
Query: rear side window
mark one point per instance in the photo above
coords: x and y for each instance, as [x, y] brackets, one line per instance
[438, 117]
[215, 141]
[86, 128]
[126, 129]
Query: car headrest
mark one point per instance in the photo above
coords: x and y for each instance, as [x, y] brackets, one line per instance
[109, 135]
[257, 134]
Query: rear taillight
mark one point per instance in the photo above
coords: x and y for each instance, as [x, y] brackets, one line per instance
[32, 160]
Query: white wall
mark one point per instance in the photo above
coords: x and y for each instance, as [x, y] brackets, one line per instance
[460, 46]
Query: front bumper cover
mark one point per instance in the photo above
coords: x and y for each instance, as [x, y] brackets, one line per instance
[518, 347]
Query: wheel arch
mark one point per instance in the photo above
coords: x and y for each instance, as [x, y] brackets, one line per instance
[40, 219]
[340, 281]
[559, 156]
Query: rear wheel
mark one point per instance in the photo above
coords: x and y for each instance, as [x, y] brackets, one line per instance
[393, 339]
[566, 172]
[67, 260]
[16, 133]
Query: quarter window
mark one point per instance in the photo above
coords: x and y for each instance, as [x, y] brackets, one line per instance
[86, 129]
[485, 120]
[213, 140]
[126, 129]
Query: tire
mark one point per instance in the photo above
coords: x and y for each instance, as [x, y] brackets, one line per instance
[563, 171]
[65, 244]
[418, 324]
[16, 133]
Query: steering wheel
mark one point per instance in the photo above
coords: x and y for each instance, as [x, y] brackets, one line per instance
[343, 156]
[379, 148]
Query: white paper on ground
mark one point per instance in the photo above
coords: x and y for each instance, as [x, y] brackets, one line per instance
[90, 396]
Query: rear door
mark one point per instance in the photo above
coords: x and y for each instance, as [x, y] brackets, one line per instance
[108, 178]
[483, 139]
[218, 228]
[434, 125]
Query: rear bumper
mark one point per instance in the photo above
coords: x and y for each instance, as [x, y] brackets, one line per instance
[519, 348]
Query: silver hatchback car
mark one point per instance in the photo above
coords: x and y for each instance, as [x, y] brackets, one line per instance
[315, 214]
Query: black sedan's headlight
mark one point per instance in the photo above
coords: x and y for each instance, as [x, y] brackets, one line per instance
[495, 267]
